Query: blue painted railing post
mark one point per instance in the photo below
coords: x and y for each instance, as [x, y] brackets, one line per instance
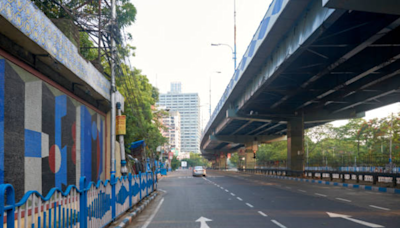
[140, 185]
[113, 196]
[147, 183]
[130, 189]
[8, 190]
[83, 202]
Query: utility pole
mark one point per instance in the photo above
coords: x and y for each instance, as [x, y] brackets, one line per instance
[113, 89]
[234, 35]
[210, 99]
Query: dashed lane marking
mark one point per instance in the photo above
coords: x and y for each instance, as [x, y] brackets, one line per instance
[278, 224]
[261, 213]
[226, 190]
[249, 205]
[345, 200]
[239, 198]
[232, 194]
[300, 190]
[381, 208]
[322, 195]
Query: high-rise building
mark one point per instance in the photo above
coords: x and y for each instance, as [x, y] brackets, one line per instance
[176, 87]
[172, 122]
[187, 104]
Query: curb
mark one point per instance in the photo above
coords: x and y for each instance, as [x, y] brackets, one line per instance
[356, 186]
[129, 218]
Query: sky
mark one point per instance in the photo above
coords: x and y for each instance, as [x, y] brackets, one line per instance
[173, 43]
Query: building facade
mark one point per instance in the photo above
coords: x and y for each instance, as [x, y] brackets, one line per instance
[187, 104]
[173, 132]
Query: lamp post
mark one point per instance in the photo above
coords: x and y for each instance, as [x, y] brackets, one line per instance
[218, 72]
[233, 52]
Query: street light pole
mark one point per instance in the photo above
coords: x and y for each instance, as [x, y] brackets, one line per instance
[234, 24]
[233, 50]
[113, 90]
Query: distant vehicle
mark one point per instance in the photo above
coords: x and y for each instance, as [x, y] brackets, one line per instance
[199, 171]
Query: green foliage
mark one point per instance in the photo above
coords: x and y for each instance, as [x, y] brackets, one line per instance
[365, 143]
[196, 160]
[175, 163]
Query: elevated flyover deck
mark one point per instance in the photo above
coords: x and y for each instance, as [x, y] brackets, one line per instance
[310, 62]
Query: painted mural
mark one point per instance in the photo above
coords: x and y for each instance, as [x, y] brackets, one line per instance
[47, 138]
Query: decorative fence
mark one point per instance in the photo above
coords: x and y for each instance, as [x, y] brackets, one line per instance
[90, 205]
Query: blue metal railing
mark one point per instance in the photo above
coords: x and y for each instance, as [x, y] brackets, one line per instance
[90, 205]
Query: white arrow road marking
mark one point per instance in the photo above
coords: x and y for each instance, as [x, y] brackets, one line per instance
[203, 222]
[348, 217]
[154, 213]
[382, 208]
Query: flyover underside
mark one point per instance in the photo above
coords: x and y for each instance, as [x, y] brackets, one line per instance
[346, 68]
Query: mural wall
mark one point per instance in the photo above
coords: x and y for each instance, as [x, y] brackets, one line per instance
[47, 138]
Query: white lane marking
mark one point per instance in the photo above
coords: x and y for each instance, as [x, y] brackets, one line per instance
[261, 213]
[249, 205]
[154, 213]
[320, 195]
[346, 200]
[226, 190]
[381, 208]
[300, 190]
[232, 194]
[278, 224]
[162, 190]
[239, 198]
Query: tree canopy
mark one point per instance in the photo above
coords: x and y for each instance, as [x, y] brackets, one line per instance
[358, 142]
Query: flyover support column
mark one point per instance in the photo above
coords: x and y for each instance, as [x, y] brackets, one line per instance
[250, 161]
[222, 161]
[295, 144]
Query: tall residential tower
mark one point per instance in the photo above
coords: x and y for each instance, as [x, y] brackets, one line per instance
[187, 104]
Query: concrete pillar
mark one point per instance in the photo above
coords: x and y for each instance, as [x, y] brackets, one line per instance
[222, 161]
[295, 144]
[250, 161]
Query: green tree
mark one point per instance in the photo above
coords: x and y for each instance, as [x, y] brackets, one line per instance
[175, 163]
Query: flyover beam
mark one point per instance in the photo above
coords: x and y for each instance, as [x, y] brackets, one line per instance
[246, 138]
[386, 6]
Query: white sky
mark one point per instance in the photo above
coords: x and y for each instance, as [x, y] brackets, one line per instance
[173, 43]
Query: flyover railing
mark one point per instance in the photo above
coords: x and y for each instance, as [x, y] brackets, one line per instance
[343, 176]
[91, 205]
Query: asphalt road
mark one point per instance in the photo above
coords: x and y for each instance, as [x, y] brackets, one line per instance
[232, 199]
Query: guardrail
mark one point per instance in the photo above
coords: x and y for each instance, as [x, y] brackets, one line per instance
[393, 178]
[91, 205]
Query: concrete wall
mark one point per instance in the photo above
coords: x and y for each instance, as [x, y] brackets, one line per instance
[48, 138]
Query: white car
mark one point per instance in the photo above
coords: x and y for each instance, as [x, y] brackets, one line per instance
[199, 171]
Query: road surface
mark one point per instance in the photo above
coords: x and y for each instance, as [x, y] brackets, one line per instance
[232, 199]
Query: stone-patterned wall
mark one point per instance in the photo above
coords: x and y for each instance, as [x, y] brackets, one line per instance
[47, 138]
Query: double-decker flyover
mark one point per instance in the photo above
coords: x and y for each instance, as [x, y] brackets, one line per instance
[310, 62]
